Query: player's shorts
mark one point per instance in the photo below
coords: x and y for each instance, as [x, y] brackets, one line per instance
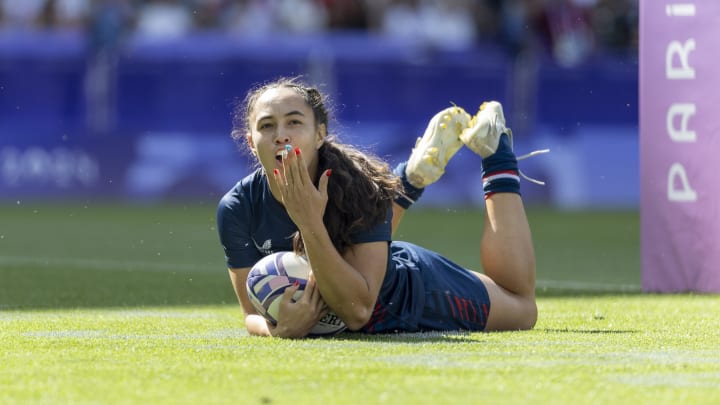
[423, 291]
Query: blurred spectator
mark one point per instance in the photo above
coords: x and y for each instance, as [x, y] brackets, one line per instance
[346, 14]
[261, 17]
[22, 14]
[249, 18]
[73, 13]
[401, 19]
[444, 24]
[566, 25]
[517, 18]
[450, 24]
[487, 15]
[164, 19]
[66, 14]
[569, 30]
[108, 23]
[561, 28]
[207, 13]
[615, 23]
[301, 16]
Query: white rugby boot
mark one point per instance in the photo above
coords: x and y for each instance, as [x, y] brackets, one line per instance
[483, 132]
[438, 144]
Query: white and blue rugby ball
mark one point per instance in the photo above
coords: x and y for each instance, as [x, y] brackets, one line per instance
[269, 278]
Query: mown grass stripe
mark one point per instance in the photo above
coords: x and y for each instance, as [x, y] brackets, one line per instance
[101, 264]
[104, 264]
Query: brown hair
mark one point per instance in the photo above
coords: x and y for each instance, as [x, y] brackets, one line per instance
[362, 186]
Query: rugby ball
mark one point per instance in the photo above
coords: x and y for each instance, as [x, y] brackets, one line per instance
[269, 278]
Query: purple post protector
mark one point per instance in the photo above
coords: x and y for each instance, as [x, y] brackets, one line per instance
[680, 145]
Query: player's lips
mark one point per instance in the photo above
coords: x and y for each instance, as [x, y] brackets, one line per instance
[279, 153]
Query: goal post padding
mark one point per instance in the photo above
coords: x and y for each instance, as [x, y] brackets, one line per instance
[680, 145]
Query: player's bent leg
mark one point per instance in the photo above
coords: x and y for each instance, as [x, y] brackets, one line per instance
[506, 249]
[508, 262]
[398, 213]
[508, 311]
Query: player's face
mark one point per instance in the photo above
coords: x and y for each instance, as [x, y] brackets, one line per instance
[282, 117]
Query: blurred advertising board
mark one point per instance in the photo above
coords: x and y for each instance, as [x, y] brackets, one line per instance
[152, 121]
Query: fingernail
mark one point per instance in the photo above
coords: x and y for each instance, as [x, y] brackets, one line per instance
[284, 154]
[288, 148]
[276, 171]
[328, 172]
[296, 284]
[297, 151]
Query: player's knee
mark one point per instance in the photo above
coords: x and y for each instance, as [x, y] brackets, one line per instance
[530, 315]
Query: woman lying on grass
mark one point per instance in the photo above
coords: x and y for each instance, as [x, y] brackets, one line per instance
[339, 206]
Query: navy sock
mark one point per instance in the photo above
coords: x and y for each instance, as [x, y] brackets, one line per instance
[500, 170]
[410, 193]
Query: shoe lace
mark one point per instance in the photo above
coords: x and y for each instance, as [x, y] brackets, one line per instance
[527, 155]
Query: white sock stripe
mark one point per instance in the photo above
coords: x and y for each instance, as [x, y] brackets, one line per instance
[497, 176]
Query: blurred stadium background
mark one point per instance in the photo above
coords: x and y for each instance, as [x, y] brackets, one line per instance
[131, 100]
[114, 150]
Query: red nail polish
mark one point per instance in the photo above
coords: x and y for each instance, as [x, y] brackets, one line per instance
[297, 151]
[328, 172]
[296, 284]
[276, 171]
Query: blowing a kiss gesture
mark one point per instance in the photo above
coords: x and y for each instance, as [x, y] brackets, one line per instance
[373, 283]
[303, 201]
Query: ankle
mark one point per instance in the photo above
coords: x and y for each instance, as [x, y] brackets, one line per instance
[410, 193]
[500, 170]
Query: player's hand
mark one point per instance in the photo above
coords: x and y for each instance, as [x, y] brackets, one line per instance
[297, 317]
[304, 202]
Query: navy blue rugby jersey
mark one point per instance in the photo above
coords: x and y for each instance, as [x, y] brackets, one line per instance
[253, 224]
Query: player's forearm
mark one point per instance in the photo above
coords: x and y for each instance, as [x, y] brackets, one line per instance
[255, 324]
[342, 287]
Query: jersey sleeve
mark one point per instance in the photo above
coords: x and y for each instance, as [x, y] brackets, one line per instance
[234, 229]
[378, 233]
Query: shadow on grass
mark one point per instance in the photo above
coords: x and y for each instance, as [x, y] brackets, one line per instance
[36, 287]
[592, 331]
[407, 337]
[455, 336]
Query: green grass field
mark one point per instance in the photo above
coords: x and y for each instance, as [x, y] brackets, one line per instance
[103, 303]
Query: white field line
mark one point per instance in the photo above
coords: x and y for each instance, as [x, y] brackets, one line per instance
[104, 264]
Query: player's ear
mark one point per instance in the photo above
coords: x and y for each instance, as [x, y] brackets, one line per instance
[251, 144]
[320, 135]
